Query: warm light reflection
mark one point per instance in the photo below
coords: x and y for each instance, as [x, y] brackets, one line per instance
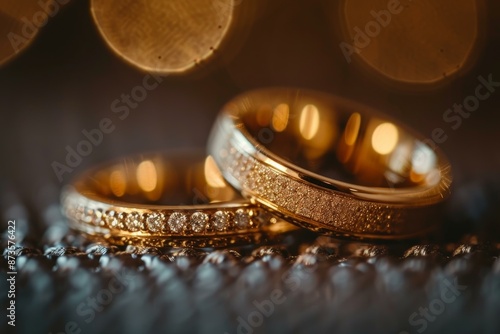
[309, 121]
[416, 178]
[399, 161]
[118, 182]
[384, 138]
[433, 177]
[275, 164]
[147, 176]
[423, 159]
[392, 179]
[350, 136]
[280, 117]
[213, 175]
[352, 129]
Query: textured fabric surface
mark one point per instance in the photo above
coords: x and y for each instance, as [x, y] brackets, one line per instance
[304, 284]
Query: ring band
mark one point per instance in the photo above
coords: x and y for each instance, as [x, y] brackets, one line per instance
[135, 201]
[329, 164]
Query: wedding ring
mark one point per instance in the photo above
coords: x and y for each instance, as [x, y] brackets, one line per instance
[159, 199]
[330, 165]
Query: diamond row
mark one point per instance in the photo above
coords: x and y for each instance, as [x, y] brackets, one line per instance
[182, 223]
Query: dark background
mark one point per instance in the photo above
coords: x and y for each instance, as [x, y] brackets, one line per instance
[65, 83]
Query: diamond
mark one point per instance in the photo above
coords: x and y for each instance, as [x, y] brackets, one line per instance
[221, 220]
[97, 217]
[120, 219]
[241, 218]
[154, 221]
[133, 221]
[198, 221]
[80, 212]
[111, 219]
[177, 222]
[87, 215]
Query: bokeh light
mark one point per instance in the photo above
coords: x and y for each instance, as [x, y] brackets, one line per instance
[163, 36]
[384, 138]
[21, 20]
[415, 42]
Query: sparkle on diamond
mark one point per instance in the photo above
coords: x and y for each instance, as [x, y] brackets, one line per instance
[87, 216]
[241, 218]
[221, 220]
[97, 218]
[198, 221]
[133, 222]
[154, 222]
[111, 219]
[177, 222]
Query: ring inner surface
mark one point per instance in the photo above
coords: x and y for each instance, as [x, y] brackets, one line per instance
[339, 140]
[160, 179]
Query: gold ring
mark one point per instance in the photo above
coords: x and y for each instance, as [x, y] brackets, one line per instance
[165, 199]
[329, 164]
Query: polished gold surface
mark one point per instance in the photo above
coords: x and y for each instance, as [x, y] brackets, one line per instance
[335, 166]
[165, 199]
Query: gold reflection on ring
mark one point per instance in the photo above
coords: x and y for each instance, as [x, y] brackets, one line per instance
[333, 138]
[423, 159]
[416, 178]
[275, 164]
[118, 182]
[212, 174]
[352, 129]
[384, 138]
[164, 178]
[400, 159]
[147, 176]
[351, 133]
[433, 177]
[280, 117]
[309, 121]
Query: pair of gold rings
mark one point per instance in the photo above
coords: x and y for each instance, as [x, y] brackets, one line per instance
[276, 159]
